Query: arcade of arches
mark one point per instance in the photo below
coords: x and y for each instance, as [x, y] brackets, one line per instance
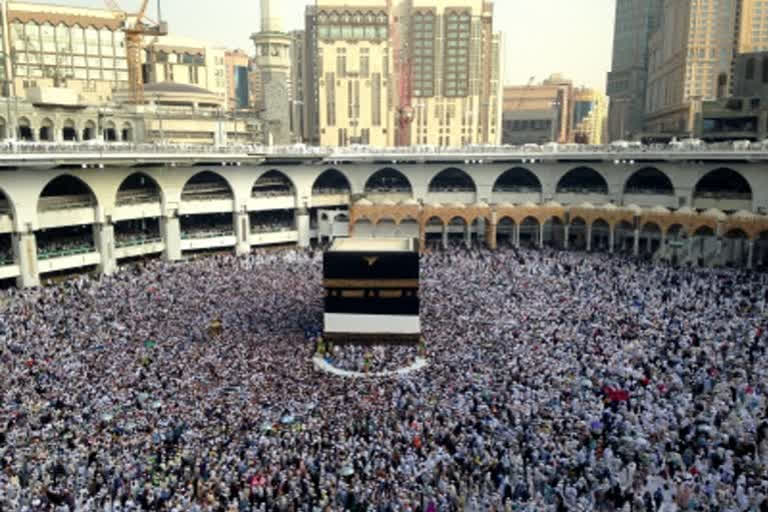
[710, 237]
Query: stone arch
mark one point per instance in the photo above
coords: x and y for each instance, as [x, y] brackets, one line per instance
[127, 134]
[110, 132]
[577, 232]
[7, 206]
[735, 245]
[723, 183]
[505, 230]
[69, 131]
[554, 230]
[704, 231]
[64, 192]
[388, 180]
[601, 234]
[530, 228]
[433, 229]
[207, 185]
[363, 228]
[580, 180]
[649, 180]
[385, 227]
[138, 188]
[273, 183]
[89, 131]
[651, 233]
[408, 227]
[676, 231]
[46, 133]
[331, 181]
[624, 234]
[452, 179]
[24, 128]
[341, 217]
[517, 179]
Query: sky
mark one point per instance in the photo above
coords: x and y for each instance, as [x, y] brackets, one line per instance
[572, 37]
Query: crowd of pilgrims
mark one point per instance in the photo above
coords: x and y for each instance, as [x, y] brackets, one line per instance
[372, 359]
[556, 382]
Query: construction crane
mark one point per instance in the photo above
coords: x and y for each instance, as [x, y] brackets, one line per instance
[135, 26]
[400, 17]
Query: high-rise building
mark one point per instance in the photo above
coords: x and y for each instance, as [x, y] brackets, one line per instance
[238, 85]
[298, 86]
[442, 56]
[273, 59]
[691, 58]
[635, 22]
[588, 116]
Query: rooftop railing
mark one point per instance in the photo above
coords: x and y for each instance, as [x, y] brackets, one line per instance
[9, 148]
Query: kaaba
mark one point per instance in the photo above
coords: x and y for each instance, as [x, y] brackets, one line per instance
[372, 291]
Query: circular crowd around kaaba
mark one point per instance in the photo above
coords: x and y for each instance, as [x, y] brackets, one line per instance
[557, 381]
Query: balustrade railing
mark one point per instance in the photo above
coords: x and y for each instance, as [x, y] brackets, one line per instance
[44, 254]
[136, 241]
[213, 233]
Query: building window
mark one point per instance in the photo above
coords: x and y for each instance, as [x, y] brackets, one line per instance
[765, 70]
[750, 72]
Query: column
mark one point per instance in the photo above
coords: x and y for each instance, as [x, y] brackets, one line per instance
[170, 229]
[481, 230]
[242, 223]
[468, 235]
[445, 236]
[589, 237]
[104, 238]
[611, 238]
[636, 243]
[302, 226]
[516, 235]
[25, 254]
[567, 230]
[750, 253]
[491, 236]
[541, 235]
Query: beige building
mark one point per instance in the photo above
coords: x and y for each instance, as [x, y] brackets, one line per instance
[538, 113]
[691, 58]
[454, 72]
[186, 61]
[47, 46]
[588, 116]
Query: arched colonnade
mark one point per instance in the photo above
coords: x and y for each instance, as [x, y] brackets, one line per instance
[630, 229]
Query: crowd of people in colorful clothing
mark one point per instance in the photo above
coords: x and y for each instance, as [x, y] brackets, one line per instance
[557, 381]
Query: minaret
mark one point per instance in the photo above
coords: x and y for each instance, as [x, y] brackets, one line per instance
[273, 58]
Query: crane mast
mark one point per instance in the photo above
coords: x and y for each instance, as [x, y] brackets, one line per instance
[135, 27]
[400, 28]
